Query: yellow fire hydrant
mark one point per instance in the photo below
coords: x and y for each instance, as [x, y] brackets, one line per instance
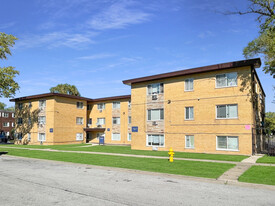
[171, 155]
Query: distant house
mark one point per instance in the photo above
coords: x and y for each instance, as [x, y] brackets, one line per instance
[7, 122]
[213, 109]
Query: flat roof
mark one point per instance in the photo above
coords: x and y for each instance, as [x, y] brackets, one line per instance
[249, 62]
[111, 98]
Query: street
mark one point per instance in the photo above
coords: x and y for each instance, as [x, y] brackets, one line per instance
[39, 182]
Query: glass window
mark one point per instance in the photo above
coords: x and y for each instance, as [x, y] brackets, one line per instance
[129, 103]
[155, 114]
[189, 141]
[116, 120]
[5, 114]
[90, 121]
[129, 120]
[100, 106]
[227, 111]
[116, 105]
[41, 120]
[29, 137]
[188, 85]
[155, 140]
[226, 80]
[129, 137]
[42, 104]
[20, 105]
[6, 124]
[19, 121]
[100, 121]
[89, 107]
[41, 137]
[79, 105]
[189, 113]
[79, 120]
[12, 114]
[227, 142]
[116, 136]
[79, 136]
[155, 88]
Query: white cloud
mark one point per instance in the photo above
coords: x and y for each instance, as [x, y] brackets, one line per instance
[96, 56]
[118, 15]
[206, 34]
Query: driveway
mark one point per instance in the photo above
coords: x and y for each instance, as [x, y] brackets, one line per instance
[41, 182]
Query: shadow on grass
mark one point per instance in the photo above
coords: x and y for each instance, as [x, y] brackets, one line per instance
[3, 153]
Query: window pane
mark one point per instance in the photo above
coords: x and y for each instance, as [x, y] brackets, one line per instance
[232, 79]
[116, 136]
[155, 140]
[233, 143]
[161, 114]
[232, 111]
[155, 88]
[221, 111]
[221, 80]
[161, 88]
[155, 114]
[149, 89]
[187, 113]
[149, 139]
[149, 115]
[161, 140]
[191, 113]
[222, 143]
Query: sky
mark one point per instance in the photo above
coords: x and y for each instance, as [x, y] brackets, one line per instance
[95, 44]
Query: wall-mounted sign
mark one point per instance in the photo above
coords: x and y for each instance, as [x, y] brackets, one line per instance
[247, 127]
[51, 130]
[108, 129]
[134, 129]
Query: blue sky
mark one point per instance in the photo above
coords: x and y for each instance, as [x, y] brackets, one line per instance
[95, 44]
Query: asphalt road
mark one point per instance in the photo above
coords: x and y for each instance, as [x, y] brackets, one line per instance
[38, 182]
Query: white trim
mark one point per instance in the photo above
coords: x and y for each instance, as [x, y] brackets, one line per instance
[225, 86]
[189, 113]
[81, 139]
[151, 115]
[152, 84]
[128, 136]
[116, 104]
[221, 149]
[116, 139]
[189, 140]
[103, 107]
[185, 85]
[226, 105]
[38, 136]
[155, 145]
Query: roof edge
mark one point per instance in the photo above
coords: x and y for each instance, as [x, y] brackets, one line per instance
[111, 98]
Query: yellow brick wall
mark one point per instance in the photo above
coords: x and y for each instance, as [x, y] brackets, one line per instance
[204, 98]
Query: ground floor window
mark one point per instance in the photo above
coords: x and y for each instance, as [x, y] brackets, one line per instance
[155, 140]
[189, 141]
[228, 142]
[41, 137]
[29, 137]
[129, 136]
[116, 136]
[79, 136]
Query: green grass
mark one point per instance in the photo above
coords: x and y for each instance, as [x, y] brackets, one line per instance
[179, 167]
[127, 150]
[259, 175]
[266, 159]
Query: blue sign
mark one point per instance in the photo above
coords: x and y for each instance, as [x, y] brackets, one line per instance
[134, 129]
[51, 130]
[108, 129]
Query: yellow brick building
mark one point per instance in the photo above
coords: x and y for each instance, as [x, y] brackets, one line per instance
[211, 109]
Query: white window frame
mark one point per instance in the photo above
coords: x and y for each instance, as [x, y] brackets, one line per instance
[189, 113]
[158, 84]
[185, 82]
[226, 108]
[147, 138]
[97, 122]
[12, 124]
[100, 106]
[128, 137]
[226, 80]
[116, 139]
[222, 149]
[79, 136]
[5, 114]
[79, 105]
[189, 147]
[29, 137]
[79, 123]
[159, 119]
[116, 120]
[39, 121]
[116, 103]
[129, 104]
[41, 105]
[12, 115]
[41, 140]
[6, 124]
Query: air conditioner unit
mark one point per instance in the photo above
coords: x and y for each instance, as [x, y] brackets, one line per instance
[99, 125]
[154, 123]
[154, 148]
[154, 97]
[41, 125]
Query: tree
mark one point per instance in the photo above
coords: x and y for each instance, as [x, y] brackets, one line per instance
[270, 122]
[8, 86]
[265, 43]
[3, 107]
[65, 89]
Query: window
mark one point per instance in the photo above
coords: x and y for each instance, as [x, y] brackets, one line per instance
[30, 121]
[189, 141]
[12, 124]
[227, 143]
[30, 104]
[116, 136]
[42, 104]
[129, 138]
[116, 120]
[155, 88]
[155, 140]
[41, 137]
[79, 120]
[189, 113]
[90, 121]
[100, 121]
[19, 121]
[129, 120]
[6, 124]
[100, 106]
[89, 107]
[226, 80]
[41, 120]
[79, 105]
[155, 114]
[8, 134]
[79, 136]
[5, 114]
[20, 105]
[129, 103]
[116, 105]
[12, 115]
[29, 137]
[188, 85]
[227, 111]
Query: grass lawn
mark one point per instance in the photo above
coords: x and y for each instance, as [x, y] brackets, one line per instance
[267, 159]
[127, 150]
[179, 167]
[259, 175]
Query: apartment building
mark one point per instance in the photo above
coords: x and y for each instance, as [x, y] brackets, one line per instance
[7, 121]
[213, 109]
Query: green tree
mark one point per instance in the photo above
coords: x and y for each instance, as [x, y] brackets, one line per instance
[65, 89]
[8, 86]
[2, 106]
[270, 122]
